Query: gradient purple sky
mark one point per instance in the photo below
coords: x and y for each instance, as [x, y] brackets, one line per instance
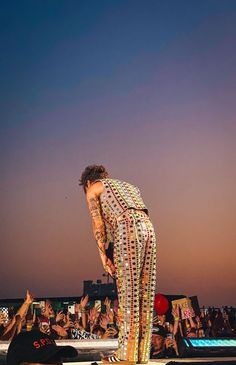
[147, 88]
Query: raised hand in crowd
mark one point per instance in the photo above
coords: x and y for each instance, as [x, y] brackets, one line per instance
[107, 303]
[103, 321]
[171, 343]
[176, 312]
[176, 315]
[78, 326]
[110, 332]
[110, 316]
[59, 316]
[68, 322]
[29, 298]
[84, 301]
[80, 309]
[93, 317]
[48, 310]
[25, 306]
[34, 317]
[155, 320]
[159, 320]
[14, 326]
[60, 331]
[109, 310]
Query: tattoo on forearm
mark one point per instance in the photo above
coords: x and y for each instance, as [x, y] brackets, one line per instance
[94, 208]
[98, 224]
[100, 236]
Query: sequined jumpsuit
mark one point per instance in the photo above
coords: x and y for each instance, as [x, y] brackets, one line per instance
[129, 227]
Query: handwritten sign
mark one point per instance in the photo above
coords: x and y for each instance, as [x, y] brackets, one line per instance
[185, 306]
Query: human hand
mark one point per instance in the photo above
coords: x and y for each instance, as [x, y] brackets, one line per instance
[111, 268]
[84, 301]
[155, 320]
[175, 312]
[107, 302]
[29, 297]
[103, 321]
[93, 315]
[108, 265]
[78, 326]
[47, 311]
[111, 332]
[110, 316]
[34, 317]
[59, 330]
[59, 316]
[68, 322]
[161, 319]
[170, 342]
[115, 306]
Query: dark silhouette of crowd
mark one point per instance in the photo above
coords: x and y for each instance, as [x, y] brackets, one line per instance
[100, 320]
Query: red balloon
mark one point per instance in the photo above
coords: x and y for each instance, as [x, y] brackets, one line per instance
[161, 304]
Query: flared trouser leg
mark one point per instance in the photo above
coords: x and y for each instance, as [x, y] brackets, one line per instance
[135, 261]
[147, 293]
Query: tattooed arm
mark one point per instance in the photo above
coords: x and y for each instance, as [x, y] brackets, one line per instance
[93, 193]
[99, 231]
[97, 222]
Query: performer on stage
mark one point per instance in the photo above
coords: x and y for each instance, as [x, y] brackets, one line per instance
[119, 215]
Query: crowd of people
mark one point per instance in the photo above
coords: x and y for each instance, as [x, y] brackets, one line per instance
[96, 321]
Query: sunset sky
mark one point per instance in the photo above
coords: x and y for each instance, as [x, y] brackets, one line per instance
[147, 88]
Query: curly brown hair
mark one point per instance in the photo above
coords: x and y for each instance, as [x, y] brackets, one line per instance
[92, 173]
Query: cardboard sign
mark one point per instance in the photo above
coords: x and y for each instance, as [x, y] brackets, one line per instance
[185, 306]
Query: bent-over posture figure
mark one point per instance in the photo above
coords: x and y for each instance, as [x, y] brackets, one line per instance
[119, 215]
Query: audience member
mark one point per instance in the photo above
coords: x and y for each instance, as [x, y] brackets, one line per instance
[163, 346]
[34, 347]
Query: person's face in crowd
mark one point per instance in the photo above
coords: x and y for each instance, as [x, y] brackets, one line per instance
[158, 342]
[44, 328]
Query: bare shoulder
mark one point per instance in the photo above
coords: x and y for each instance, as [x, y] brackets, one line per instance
[95, 190]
